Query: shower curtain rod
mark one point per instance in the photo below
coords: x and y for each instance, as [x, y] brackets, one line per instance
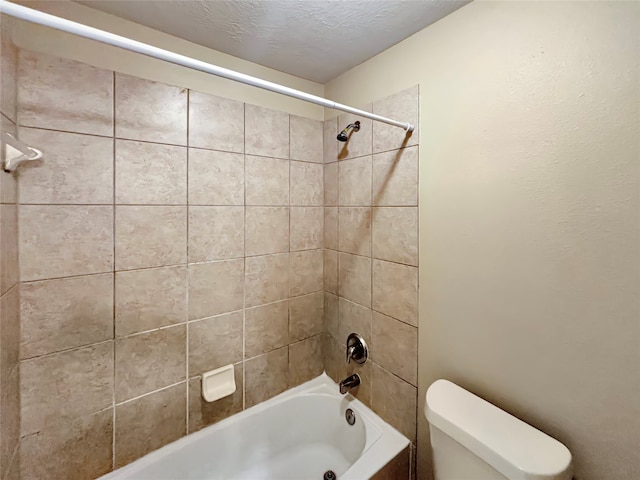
[41, 18]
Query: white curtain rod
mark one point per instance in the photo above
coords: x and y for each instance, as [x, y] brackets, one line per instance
[64, 25]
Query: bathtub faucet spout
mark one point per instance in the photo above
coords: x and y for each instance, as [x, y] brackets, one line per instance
[348, 383]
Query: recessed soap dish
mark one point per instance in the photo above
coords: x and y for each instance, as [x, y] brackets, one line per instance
[218, 383]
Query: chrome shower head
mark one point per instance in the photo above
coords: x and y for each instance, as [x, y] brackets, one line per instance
[343, 136]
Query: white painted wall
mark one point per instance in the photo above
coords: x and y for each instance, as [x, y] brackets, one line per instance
[529, 217]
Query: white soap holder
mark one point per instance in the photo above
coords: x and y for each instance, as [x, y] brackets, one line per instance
[218, 383]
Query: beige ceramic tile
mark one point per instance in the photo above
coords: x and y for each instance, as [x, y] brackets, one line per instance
[331, 185]
[402, 106]
[306, 228]
[354, 230]
[8, 87]
[65, 313]
[394, 346]
[10, 407]
[215, 233]
[353, 318]
[266, 132]
[10, 333]
[203, 413]
[150, 298]
[363, 391]
[78, 169]
[64, 95]
[150, 236]
[359, 143]
[305, 360]
[396, 469]
[395, 234]
[266, 328]
[150, 422]
[395, 291]
[8, 181]
[354, 278]
[331, 271]
[266, 376]
[150, 111]
[214, 342]
[148, 361]
[267, 230]
[215, 123]
[330, 314]
[58, 388]
[330, 144]
[150, 173]
[215, 178]
[333, 354]
[395, 401]
[81, 448]
[60, 241]
[266, 279]
[306, 316]
[9, 268]
[354, 182]
[307, 184]
[215, 288]
[305, 135]
[331, 228]
[267, 181]
[305, 272]
[395, 178]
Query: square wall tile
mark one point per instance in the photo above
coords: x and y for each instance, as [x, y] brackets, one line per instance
[307, 184]
[150, 298]
[150, 173]
[354, 278]
[61, 94]
[305, 360]
[353, 318]
[306, 228]
[305, 272]
[150, 111]
[267, 181]
[267, 230]
[266, 376]
[266, 328]
[203, 413]
[331, 314]
[150, 236]
[306, 139]
[215, 233]
[215, 342]
[354, 182]
[354, 230]
[331, 185]
[65, 313]
[215, 123]
[266, 132]
[266, 279]
[80, 448]
[61, 241]
[8, 181]
[78, 169]
[403, 106]
[150, 422]
[359, 143]
[395, 178]
[331, 228]
[8, 87]
[215, 178]
[305, 316]
[395, 401]
[58, 388]
[148, 361]
[395, 291]
[395, 234]
[330, 144]
[9, 268]
[394, 346]
[215, 288]
[330, 271]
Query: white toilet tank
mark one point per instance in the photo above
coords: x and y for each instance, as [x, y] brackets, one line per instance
[475, 440]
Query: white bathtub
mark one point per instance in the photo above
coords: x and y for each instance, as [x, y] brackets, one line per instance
[298, 435]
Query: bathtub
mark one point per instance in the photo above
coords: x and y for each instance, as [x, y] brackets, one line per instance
[298, 435]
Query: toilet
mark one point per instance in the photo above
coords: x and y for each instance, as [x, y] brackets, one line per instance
[472, 439]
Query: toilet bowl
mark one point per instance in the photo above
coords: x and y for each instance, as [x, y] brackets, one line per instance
[472, 439]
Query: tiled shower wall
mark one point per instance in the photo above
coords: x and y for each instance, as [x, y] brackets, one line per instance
[166, 233]
[9, 288]
[371, 256]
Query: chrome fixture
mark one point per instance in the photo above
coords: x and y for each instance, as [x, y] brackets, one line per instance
[343, 136]
[357, 349]
[349, 383]
[350, 416]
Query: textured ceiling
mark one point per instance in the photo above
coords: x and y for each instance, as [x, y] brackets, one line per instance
[312, 39]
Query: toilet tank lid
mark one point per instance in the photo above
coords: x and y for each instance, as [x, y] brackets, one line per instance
[511, 446]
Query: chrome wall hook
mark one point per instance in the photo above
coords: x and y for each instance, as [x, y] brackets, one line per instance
[15, 152]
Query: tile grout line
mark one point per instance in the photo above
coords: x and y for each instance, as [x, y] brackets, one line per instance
[113, 445]
[244, 279]
[187, 329]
